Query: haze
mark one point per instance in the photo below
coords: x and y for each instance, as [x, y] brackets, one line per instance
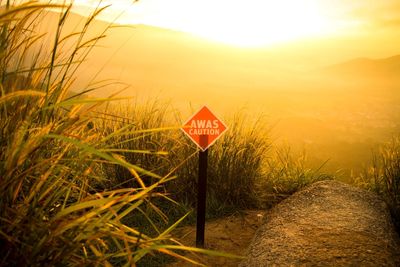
[325, 74]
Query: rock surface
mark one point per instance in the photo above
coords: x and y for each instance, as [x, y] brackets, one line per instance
[326, 224]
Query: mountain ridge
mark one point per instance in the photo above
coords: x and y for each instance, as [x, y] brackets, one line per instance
[367, 66]
[154, 59]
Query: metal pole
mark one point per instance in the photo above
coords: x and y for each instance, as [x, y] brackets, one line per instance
[201, 196]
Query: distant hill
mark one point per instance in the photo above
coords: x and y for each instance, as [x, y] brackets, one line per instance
[366, 67]
[178, 64]
[156, 59]
[329, 107]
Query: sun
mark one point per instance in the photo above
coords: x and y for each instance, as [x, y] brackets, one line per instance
[259, 23]
[240, 23]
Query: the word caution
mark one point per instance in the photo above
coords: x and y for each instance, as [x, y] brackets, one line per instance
[204, 128]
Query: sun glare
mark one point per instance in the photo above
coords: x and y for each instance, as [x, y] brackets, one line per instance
[240, 23]
[260, 23]
[244, 23]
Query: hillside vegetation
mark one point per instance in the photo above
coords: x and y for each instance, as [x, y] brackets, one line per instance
[85, 181]
[88, 177]
[317, 96]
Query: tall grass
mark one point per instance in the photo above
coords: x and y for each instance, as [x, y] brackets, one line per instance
[235, 160]
[85, 182]
[52, 158]
[245, 170]
[147, 139]
[235, 164]
[383, 176]
[285, 173]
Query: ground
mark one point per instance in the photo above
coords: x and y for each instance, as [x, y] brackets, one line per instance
[231, 234]
[326, 224]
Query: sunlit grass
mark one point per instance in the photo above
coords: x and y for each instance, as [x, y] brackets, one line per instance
[286, 173]
[383, 176]
[86, 181]
[245, 170]
[52, 156]
[235, 165]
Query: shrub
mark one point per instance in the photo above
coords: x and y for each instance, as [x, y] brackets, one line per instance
[235, 161]
[286, 173]
[52, 156]
[383, 176]
[235, 164]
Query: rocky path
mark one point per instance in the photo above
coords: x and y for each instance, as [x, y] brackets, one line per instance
[231, 234]
[326, 224]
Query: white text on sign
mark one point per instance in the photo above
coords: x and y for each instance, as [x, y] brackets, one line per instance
[204, 127]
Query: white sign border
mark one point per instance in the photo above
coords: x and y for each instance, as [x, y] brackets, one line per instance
[204, 106]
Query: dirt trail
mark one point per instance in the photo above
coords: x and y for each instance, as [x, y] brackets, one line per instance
[327, 224]
[232, 234]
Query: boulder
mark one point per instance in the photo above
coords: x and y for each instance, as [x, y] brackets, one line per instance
[328, 223]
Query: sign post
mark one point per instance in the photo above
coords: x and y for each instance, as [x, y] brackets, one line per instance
[203, 128]
[201, 197]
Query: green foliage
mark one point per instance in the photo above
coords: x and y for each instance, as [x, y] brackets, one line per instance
[139, 133]
[285, 174]
[52, 158]
[85, 182]
[235, 161]
[235, 164]
[243, 171]
[383, 176]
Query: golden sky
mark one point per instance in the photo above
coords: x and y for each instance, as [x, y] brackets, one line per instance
[256, 22]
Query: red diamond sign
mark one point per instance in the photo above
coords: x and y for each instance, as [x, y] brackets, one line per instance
[204, 128]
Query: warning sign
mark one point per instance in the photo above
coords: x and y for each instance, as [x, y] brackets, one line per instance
[204, 128]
